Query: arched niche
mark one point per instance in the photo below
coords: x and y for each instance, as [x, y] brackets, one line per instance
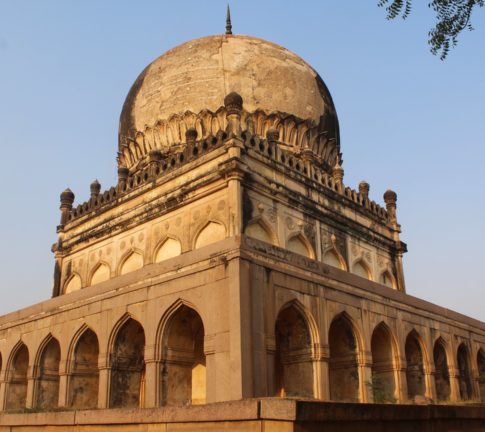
[442, 373]
[84, 373]
[74, 283]
[259, 231]
[343, 363]
[293, 358]
[127, 362]
[17, 379]
[333, 259]
[383, 383]
[361, 269]
[481, 373]
[168, 249]
[464, 377]
[387, 279]
[415, 376]
[101, 273]
[132, 262]
[211, 233]
[300, 246]
[183, 364]
[47, 382]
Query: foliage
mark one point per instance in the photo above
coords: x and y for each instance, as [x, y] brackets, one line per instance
[378, 389]
[452, 16]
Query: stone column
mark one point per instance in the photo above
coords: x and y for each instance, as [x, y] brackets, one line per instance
[104, 383]
[322, 386]
[152, 390]
[365, 377]
[3, 389]
[63, 384]
[29, 401]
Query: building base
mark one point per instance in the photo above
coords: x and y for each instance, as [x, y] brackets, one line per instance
[256, 415]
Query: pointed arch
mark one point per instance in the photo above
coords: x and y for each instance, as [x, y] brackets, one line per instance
[127, 363]
[101, 272]
[169, 247]
[213, 231]
[415, 365]
[384, 353]
[299, 244]
[260, 229]
[73, 283]
[83, 370]
[360, 268]
[295, 338]
[481, 373]
[16, 379]
[442, 373]
[183, 361]
[387, 278]
[133, 260]
[46, 392]
[344, 344]
[464, 372]
[332, 257]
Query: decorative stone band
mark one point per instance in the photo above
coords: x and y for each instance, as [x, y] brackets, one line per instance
[296, 135]
[157, 165]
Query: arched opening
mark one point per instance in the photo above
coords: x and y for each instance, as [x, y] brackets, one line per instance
[260, 232]
[183, 368]
[101, 274]
[360, 269]
[170, 248]
[298, 246]
[343, 364]
[481, 373]
[84, 376]
[133, 262]
[128, 366]
[442, 374]
[414, 366]
[73, 284]
[293, 359]
[383, 383]
[331, 258]
[211, 233]
[387, 279]
[17, 379]
[47, 382]
[464, 378]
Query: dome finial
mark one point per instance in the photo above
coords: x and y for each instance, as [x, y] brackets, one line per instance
[228, 21]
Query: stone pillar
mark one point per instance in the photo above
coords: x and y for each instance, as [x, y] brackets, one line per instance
[29, 401]
[365, 377]
[152, 389]
[104, 385]
[454, 383]
[63, 384]
[364, 188]
[402, 381]
[322, 390]
[3, 388]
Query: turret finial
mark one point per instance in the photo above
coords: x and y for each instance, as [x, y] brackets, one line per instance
[228, 21]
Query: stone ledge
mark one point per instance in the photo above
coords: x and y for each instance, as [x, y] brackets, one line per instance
[250, 410]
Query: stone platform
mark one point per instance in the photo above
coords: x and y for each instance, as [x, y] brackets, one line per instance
[257, 415]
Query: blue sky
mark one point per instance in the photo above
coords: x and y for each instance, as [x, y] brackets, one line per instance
[408, 121]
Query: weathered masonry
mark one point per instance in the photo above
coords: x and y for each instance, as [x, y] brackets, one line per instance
[231, 261]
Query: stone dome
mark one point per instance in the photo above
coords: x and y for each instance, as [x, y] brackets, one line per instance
[198, 74]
